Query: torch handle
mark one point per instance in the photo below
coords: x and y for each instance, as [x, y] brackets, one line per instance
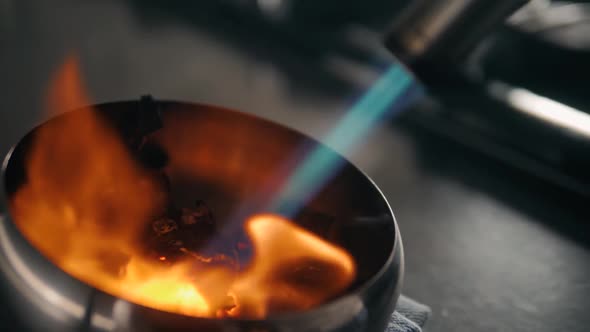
[445, 30]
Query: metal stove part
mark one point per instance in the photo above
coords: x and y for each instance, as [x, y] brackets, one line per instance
[45, 298]
[450, 46]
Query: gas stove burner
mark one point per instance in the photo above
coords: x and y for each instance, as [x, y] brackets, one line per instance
[160, 215]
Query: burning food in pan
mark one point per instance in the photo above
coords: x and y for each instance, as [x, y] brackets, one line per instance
[105, 216]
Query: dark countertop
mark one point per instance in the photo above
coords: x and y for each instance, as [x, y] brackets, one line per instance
[487, 247]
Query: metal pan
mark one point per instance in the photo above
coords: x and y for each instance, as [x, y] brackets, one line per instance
[45, 298]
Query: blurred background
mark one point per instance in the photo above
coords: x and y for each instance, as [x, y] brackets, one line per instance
[488, 174]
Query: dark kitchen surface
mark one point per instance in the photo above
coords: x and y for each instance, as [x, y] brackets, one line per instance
[487, 247]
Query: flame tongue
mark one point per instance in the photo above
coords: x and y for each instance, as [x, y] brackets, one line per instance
[86, 204]
[290, 264]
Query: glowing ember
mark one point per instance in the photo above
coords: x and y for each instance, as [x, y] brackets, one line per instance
[86, 204]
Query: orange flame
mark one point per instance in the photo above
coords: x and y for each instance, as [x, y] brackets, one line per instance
[86, 203]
